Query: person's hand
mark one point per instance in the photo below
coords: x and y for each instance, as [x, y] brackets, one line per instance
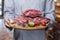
[7, 23]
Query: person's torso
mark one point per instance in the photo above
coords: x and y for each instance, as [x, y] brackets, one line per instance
[22, 5]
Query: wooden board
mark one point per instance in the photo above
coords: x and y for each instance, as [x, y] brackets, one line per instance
[28, 28]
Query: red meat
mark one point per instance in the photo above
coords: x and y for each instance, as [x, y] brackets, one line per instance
[22, 19]
[37, 20]
[32, 13]
[44, 21]
[47, 20]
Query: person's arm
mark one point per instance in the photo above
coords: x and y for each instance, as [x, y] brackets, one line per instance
[50, 11]
[8, 10]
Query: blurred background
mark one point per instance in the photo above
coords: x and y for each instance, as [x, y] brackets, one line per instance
[51, 34]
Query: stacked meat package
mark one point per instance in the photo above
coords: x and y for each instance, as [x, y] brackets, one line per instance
[31, 18]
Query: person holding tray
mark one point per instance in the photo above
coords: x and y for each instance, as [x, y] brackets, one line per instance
[13, 8]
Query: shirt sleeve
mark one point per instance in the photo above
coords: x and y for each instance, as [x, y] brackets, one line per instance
[8, 9]
[50, 10]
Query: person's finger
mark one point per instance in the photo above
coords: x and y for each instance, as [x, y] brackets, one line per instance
[8, 21]
[7, 24]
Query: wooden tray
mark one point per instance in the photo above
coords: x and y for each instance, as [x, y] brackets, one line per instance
[28, 28]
